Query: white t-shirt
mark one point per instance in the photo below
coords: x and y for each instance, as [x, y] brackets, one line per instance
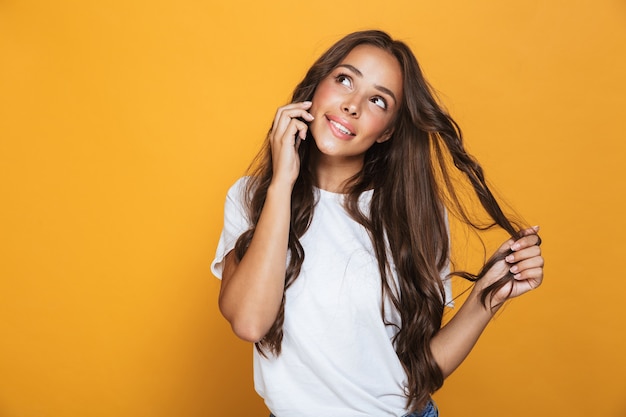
[337, 355]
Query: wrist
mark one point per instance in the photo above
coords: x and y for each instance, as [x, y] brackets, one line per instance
[490, 306]
[278, 189]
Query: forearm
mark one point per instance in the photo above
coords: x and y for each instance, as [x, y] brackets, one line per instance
[455, 340]
[252, 290]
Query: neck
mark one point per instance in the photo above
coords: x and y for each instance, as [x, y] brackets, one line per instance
[333, 173]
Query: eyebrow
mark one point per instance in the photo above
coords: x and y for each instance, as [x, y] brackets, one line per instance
[378, 87]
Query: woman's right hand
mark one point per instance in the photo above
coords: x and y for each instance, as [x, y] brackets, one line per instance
[252, 289]
[285, 136]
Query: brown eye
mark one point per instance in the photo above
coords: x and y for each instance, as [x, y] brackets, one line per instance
[379, 101]
[344, 79]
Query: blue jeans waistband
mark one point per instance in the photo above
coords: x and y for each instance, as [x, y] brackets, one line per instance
[429, 411]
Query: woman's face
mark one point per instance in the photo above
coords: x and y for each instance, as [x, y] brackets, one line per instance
[355, 105]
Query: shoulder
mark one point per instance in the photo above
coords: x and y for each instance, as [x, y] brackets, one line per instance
[236, 199]
[239, 185]
[238, 189]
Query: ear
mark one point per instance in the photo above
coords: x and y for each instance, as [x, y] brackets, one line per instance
[385, 136]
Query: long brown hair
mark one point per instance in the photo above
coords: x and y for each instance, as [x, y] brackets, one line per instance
[412, 188]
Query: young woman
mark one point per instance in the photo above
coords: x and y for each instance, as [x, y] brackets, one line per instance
[335, 248]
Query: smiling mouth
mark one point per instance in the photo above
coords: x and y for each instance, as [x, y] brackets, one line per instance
[341, 128]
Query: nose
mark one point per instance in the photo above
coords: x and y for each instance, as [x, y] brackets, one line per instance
[351, 107]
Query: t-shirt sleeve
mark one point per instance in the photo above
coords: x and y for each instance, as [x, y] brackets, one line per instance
[235, 224]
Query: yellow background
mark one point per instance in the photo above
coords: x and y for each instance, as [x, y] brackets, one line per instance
[122, 124]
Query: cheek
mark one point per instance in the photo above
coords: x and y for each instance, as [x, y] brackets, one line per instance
[323, 96]
[379, 125]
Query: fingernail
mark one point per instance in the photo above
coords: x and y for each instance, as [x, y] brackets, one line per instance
[518, 276]
[536, 228]
[509, 258]
[513, 269]
[307, 103]
[515, 246]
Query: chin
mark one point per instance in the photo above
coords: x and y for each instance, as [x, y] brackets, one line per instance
[326, 147]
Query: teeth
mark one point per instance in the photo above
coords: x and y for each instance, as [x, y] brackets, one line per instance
[341, 127]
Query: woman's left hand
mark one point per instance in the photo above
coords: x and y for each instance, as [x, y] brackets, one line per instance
[453, 342]
[525, 263]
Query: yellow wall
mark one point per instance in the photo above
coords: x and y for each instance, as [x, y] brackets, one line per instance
[122, 123]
